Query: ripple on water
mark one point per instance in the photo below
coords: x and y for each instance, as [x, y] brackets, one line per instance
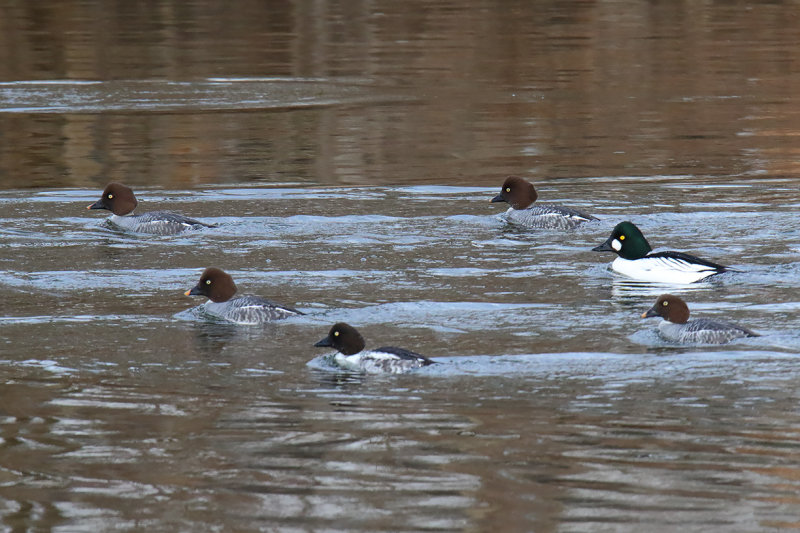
[67, 96]
[548, 384]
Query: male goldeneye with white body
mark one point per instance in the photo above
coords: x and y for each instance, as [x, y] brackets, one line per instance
[120, 200]
[637, 260]
[352, 356]
[521, 195]
[219, 288]
[676, 326]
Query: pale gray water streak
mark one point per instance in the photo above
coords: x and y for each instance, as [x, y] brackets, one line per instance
[126, 96]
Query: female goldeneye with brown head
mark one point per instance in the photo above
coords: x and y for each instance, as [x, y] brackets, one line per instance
[637, 260]
[120, 200]
[219, 288]
[676, 326]
[521, 195]
[385, 360]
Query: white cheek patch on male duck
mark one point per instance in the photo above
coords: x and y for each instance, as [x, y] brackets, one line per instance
[616, 245]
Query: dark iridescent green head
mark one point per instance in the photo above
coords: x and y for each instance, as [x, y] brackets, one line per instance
[627, 241]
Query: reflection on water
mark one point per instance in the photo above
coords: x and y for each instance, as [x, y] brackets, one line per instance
[552, 403]
[586, 440]
[554, 406]
[426, 93]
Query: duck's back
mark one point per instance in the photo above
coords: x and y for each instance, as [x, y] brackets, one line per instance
[158, 223]
[548, 216]
[667, 267]
[249, 310]
[703, 331]
[383, 360]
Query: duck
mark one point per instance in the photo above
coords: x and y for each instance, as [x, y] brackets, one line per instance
[520, 194]
[351, 355]
[120, 200]
[218, 286]
[636, 260]
[676, 326]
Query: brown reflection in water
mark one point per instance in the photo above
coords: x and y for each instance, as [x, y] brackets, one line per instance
[550, 88]
[27, 443]
[577, 455]
[123, 40]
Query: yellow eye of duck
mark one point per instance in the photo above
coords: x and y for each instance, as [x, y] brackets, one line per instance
[110, 196]
[208, 282]
[665, 303]
[508, 189]
[622, 237]
[335, 333]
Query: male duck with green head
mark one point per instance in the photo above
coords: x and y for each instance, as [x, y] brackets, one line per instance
[637, 260]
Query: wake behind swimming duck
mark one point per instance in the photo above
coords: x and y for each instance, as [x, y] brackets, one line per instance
[676, 326]
[521, 195]
[219, 288]
[637, 260]
[385, 360]
[120, 200]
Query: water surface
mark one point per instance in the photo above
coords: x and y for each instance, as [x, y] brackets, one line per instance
[348, 154]
[553, 401]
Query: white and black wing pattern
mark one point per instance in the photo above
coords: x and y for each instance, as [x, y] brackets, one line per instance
[687, 262]
[384, 360]
[682, 262]
[548, 216]
[667, 267]
[405, 355]
[250, 310]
